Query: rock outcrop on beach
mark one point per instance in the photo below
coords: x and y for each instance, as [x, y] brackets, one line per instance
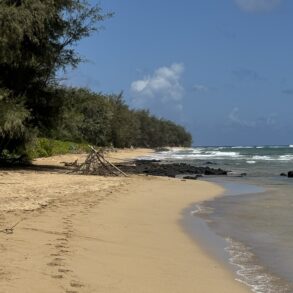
[289, 174]
[156, 168]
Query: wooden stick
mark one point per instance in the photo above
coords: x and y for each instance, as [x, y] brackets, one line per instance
[105, 165]
[11, 229]
[120, 171]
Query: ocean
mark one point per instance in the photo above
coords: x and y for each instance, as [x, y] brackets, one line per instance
[250, 228]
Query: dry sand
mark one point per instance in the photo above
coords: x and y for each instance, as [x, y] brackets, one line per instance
[93, 234]
[119, 155]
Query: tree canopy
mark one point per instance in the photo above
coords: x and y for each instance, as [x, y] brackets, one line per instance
[37, 38]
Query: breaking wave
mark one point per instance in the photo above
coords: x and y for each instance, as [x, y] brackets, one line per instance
[250, 154]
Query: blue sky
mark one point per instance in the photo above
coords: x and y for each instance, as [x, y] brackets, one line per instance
[223, 69]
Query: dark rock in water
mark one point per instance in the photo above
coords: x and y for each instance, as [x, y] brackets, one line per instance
[148, 161]
[283, 174]
[290, 174]
[210, 171]
[170, 170]
[192, 177]
[210, 163]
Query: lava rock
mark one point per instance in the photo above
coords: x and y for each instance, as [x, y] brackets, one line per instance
[192, 177]
[168, 169]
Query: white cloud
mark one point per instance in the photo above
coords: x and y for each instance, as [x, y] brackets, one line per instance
[200, 88]
[161, 92]
[257, 5]
[163, 85]
[234, 117]
[269, 120]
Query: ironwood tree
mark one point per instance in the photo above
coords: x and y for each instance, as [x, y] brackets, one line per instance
[37, 39]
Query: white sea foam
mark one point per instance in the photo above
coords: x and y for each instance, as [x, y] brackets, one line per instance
[214, 154]
[263, 158]
[249, 273]
[242, 147]
[286, 158]
[219, 153]
[197, 153]
[201, 210]
[273, 158]
[198, 210]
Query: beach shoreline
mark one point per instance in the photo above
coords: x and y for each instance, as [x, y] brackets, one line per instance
[95, 234]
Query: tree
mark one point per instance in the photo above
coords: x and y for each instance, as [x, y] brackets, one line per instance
[13, 130]
[37, 38]
[125, 125]
[86, 117]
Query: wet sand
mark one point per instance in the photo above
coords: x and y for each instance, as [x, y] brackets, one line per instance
[93, 234]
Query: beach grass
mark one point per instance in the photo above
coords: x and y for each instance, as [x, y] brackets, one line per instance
[46, 147]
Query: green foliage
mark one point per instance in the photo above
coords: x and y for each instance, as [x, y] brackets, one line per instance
[86, 117]
[124, 125]
[44, 147]
[156, 132]
[37, 39]
[14, 133]
[106, 120]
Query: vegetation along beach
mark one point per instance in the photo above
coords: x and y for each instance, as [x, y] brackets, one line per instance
[146, 146]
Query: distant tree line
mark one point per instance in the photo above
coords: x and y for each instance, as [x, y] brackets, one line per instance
[37, 39]
[106, 120]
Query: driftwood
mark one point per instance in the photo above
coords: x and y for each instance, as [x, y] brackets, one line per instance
[96, 164]
[11, 229]
[70, 164]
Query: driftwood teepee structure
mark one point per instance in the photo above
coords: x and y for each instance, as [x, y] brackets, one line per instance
[96, 164]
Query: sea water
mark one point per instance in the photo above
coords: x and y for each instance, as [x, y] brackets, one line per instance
[255, 217]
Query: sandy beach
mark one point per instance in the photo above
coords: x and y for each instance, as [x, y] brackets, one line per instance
[73, 233]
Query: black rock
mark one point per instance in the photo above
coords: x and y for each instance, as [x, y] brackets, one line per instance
[148, 161]
[168, 169]
[290, 174]
[283, 174]
[210, 163]
[192, 177]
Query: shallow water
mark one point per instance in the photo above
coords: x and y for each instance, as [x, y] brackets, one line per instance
[259, 234]
[251, 227]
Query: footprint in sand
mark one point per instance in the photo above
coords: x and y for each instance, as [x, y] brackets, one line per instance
[62, 239]
[76, 284]
[54, 264]
[60, 246]
[57, 276]
[64, 271]
[57, 262]
[55, 254]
